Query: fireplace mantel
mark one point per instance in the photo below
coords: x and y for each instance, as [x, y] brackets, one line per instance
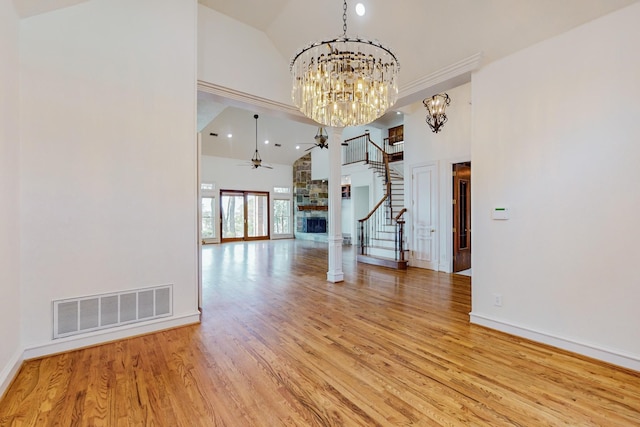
[313, 208]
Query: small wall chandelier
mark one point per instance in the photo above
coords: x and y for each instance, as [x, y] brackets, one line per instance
[436, 106]
[345, 81]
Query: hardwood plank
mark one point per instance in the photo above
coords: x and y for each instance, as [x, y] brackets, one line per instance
[279, 345]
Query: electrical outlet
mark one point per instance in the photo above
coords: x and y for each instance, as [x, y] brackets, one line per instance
[497, 300]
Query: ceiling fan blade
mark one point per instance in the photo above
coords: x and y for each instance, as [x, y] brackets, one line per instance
[311, 148]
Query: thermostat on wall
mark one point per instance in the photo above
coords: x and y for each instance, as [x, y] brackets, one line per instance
[500, 212]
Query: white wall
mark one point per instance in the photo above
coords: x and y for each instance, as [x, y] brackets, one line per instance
[451, 145]
[10, 304]
[320, 163]
[556, 134]
[365, 193]
[108, 161]
[223, 59]
[232, 174]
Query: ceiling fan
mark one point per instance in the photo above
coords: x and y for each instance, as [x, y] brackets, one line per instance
[321, 140]
[256, 160]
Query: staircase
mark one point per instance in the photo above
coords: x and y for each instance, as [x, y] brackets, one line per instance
[381, 233]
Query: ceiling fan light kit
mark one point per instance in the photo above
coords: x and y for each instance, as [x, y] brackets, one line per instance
[321, 138]
[256, 160]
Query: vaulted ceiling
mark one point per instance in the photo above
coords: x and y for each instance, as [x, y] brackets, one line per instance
[426, 35]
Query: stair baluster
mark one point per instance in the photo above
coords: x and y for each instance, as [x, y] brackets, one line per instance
[382, 220]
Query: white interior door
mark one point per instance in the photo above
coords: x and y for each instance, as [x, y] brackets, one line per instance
[425, 217]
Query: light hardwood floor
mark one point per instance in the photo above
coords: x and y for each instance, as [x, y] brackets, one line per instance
[279, 345]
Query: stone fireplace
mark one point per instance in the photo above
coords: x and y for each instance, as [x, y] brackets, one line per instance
[315, 224]
[311, 202]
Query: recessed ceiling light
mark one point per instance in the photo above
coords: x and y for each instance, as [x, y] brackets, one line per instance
[297, 147]
[229, 135]
[360, 10]
[266, 141]
[398, 113]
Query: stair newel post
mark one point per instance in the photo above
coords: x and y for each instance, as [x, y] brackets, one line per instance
[400, 237]
[335, 273]
[397, 240]
[362, 243]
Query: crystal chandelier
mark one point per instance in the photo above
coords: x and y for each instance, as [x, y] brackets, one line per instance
[345, 81]
[436, 105]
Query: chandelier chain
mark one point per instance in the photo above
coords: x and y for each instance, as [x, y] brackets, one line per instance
[344, 18]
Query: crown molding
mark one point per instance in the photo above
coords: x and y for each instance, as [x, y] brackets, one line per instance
[245, 100]
[446, 78]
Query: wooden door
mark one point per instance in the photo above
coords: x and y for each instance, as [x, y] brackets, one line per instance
[461, 216]
[424, 253]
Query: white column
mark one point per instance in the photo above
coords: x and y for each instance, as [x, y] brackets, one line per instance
[335, 273]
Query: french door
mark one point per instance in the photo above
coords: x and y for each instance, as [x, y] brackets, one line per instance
[244, 215]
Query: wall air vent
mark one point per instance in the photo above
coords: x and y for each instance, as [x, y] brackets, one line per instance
[74, 316]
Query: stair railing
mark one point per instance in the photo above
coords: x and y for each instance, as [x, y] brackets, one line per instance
[399, 220]
[356, 149]
[370, 225]
[380, 216]
[395, 151]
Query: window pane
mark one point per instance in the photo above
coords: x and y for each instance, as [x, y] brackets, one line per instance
[232, 216]
[208, 214]
[282, 216]
[257, 215]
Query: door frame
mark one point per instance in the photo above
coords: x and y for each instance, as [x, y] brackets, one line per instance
[446, 264]
[216, 222]
[460, 263]
[199, 216]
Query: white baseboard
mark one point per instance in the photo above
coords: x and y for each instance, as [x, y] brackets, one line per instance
[10, 371]
[444, 267]
[106, 335]
[281, 236]
[614, 357]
